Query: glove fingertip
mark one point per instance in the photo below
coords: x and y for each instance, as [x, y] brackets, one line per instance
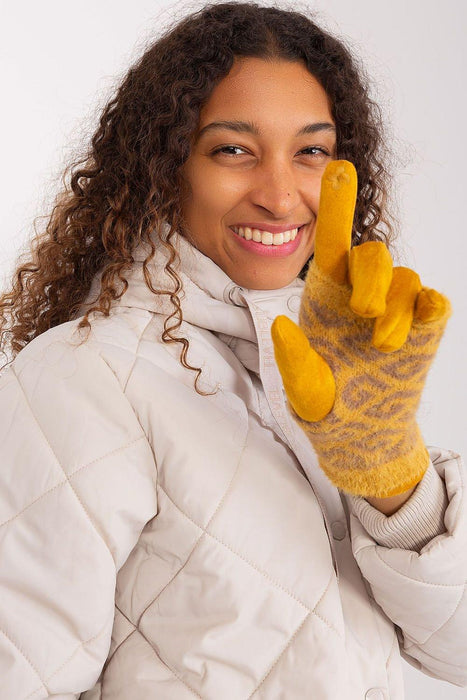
[431, 305]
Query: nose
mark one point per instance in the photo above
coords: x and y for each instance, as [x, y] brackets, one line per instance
[275, 188]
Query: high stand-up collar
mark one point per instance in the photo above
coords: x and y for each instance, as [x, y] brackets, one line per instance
[209, 298]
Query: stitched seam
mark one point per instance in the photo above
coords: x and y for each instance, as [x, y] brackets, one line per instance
[80, 645]
[321, 617]
[323, 620]
[68, 477]
[65, 474]
[124, 386]
[308, 612]
[457, 458]
[407, 649]
[240, 556]
[460, 470]
[140, 632]
[109, 658]
[171, 579]
[198, 526]
[136, 351]
[117, 607]
[438, 629]
[169, 667]
[417, 580]
[223, 497]
[391, 651]
[262, 573]
[268, 673]
[137, 629]
[26, 657]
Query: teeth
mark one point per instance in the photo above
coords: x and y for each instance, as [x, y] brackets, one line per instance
[265, 237]
[278, 239]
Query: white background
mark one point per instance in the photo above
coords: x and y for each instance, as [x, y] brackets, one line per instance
[60, 60]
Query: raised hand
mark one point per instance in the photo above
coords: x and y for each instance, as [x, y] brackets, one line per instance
[354, 369]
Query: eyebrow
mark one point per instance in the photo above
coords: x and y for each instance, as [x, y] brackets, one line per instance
[252, 128]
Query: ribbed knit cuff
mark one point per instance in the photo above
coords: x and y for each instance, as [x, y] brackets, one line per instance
[418, 521]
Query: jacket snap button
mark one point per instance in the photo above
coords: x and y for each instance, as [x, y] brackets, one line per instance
[232, 293]
[293, 303]
[339, 530]
[375, 694]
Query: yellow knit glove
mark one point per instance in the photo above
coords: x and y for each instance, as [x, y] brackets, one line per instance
[354, 370]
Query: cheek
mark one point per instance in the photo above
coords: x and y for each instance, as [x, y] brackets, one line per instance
[224, 184]
[212, 196]
[198, 201]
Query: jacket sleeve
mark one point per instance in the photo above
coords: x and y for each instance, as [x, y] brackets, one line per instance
[77, 485]
[422, 589]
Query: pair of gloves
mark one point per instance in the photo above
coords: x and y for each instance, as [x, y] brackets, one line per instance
[354, 368]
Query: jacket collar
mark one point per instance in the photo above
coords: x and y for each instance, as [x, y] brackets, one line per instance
[209, 299]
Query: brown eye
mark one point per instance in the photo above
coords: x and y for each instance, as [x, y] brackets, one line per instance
[228, 150]
[315, 150]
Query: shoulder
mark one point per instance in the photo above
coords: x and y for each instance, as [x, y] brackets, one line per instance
[71, 430]
[112, 340]
[62, 393]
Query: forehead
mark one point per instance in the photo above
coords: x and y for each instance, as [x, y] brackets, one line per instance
[264, 86]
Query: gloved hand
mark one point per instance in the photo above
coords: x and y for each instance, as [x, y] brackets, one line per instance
[354, 370]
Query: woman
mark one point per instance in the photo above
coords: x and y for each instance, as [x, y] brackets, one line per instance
[168, 531]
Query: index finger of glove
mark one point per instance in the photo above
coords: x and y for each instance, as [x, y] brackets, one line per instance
[335, 218]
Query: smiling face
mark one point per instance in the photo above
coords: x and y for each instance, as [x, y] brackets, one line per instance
[254, 174]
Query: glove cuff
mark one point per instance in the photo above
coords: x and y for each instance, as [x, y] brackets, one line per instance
[381, 479]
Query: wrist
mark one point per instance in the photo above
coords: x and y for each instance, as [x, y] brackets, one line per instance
[391, 505]
[416, 523]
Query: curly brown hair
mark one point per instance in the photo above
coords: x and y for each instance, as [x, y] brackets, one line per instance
[127, 185]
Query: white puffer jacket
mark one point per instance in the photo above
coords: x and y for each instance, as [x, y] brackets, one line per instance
[159, 544]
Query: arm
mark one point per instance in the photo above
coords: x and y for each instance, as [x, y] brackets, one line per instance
[353, 372]
[76, 489]
[415, 523]
[420, 581]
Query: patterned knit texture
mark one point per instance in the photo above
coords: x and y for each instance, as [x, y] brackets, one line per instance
[369, 444]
